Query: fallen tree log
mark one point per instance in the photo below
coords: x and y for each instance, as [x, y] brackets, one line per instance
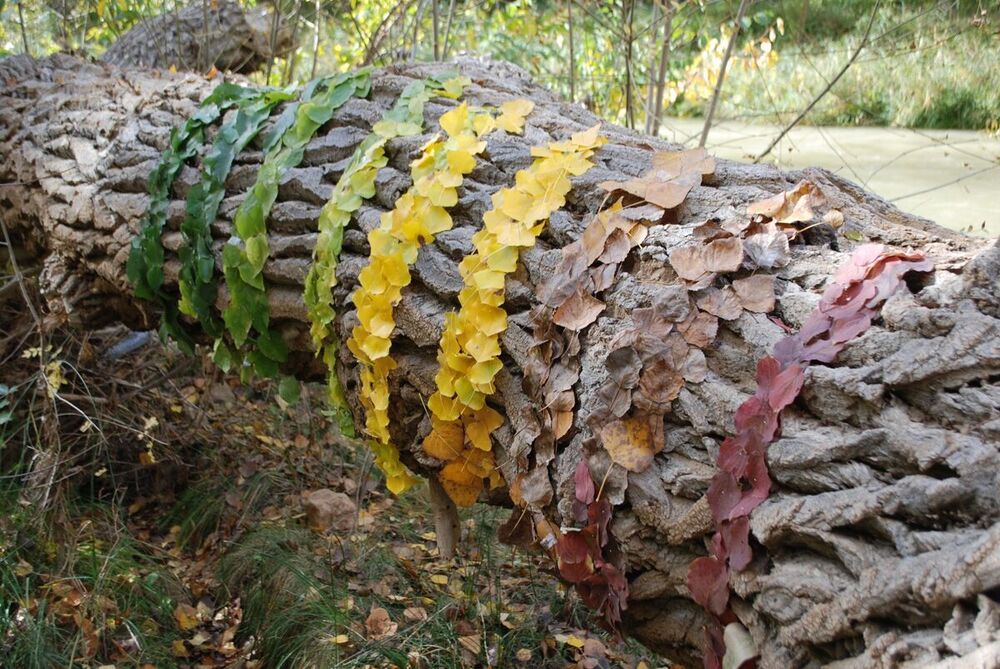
[880, 543]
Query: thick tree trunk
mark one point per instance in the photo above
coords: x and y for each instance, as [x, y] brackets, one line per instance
[880, 545]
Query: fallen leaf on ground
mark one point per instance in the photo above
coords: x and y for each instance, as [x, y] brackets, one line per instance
[379, 625]
[186, 617]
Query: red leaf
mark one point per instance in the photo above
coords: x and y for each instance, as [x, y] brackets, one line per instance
[599, 515]
[736, 539]
[723, 495]
[575, 563]
[787, 386]
[584, 484]
[756, 415]
[708, 581]
[759, 483]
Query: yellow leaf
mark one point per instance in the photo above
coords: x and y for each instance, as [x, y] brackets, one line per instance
[445, 441]
[439, 579]
[455, 121]
[453, 87]
[480, 424]
[630, 442]
[512, 115]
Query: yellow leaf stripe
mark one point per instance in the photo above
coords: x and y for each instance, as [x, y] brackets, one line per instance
[419, 215]
[356, 184]
[469, 353]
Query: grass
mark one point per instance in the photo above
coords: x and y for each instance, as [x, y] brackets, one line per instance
[111, 601]
[925, 67]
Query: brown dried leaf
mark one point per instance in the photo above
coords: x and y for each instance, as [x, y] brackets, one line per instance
[638, 233]
[645, 212]
[767, 248]
[756, 293]
[603, 277]
[379, 625]
[651, 188]
[699, 329]
[792, 206]
[616, 247]
[672, 164]
[594, 237]
[415, 614]
[623, 367]
[723, 255]
[720, 302]
[672, 303]
[661, 382]
[536, 487]
[615, 397]
[834, 218]
[710, 230]
[647, 321]
[579, 311]
[689, 262]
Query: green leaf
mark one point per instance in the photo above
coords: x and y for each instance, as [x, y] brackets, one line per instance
[145, 263]
[248, 310]
[288, 389]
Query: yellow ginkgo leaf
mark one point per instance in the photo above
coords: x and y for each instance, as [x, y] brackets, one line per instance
[455, 121]
[445, 441]
[512, 115]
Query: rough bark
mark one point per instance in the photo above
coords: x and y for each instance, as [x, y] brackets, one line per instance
[881, 544]
[200, 36]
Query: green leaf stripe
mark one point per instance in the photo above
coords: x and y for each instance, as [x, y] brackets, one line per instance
[145, 263]
[198, 285]
[356, 184]
[244, 256]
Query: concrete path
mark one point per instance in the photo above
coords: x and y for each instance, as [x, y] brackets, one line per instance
[949, 176]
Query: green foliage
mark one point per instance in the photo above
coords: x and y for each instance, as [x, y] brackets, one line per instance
[244, 256]
[198, 286]
[145, 262]
[356, 185]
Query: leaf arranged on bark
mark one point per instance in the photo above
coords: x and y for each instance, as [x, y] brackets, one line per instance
[670, 178]
[721, 302]
[631, 442]
[756, 293]
[767, 247]
[580, 553]
[741, 482]
[145, 261]
[792, 206]
[579, 311]
[197, 280]
[469, 349]
[357, 184]
[245, 255]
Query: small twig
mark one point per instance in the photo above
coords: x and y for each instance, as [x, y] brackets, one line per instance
[20, 19]
[572, 52]
[661, 75]
[312, 74]
[829, 85]
[722, 71]
[434, 30]
[447, 29]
